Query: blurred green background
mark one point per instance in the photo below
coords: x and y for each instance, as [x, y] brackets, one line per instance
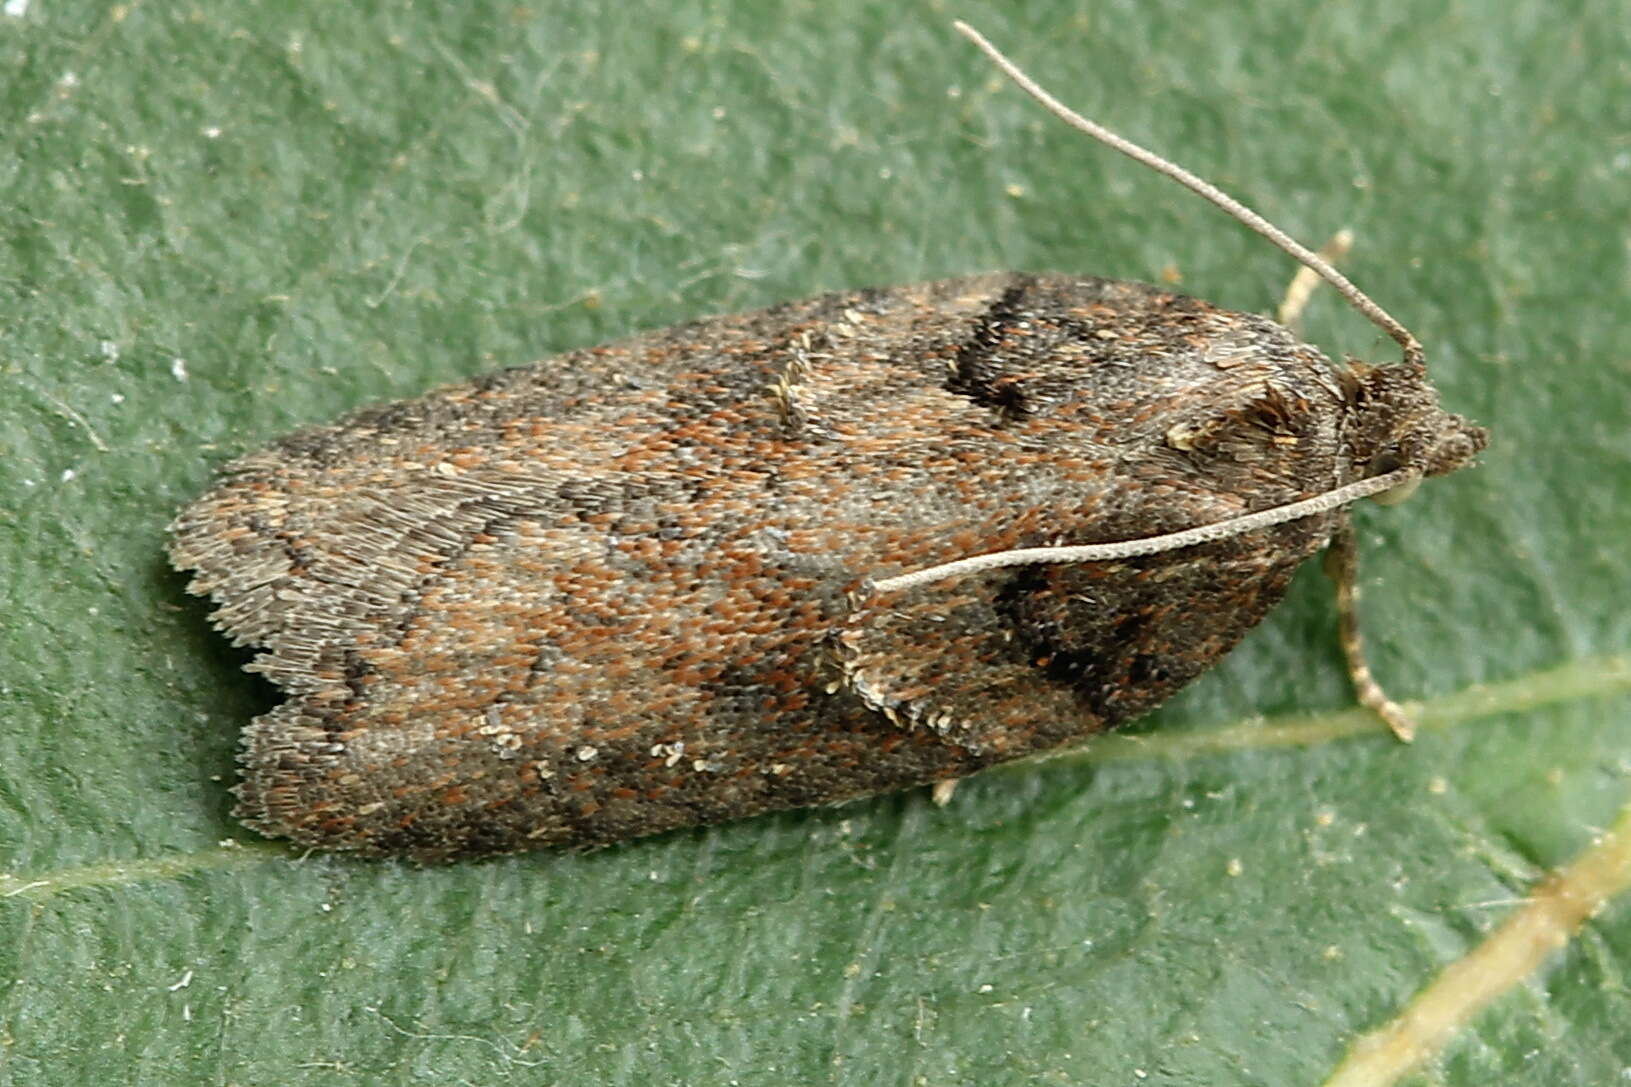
[219, 222]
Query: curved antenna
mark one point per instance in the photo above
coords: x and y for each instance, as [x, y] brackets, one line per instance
[1152, 545]
[1411, 347]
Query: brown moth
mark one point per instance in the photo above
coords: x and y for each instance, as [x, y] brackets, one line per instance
[861, 542]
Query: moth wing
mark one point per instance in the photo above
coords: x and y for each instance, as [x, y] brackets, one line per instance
[1016, 661]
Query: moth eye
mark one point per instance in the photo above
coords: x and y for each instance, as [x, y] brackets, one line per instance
[1381, 465]
[1388, 460]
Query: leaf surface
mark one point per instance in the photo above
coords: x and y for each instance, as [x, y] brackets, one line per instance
[220, 223]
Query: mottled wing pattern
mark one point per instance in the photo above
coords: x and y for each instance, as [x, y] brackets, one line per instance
[620, 591]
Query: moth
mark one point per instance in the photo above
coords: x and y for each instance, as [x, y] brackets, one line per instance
[857, 543]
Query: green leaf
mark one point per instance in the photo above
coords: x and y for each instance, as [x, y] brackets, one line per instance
[218, 223]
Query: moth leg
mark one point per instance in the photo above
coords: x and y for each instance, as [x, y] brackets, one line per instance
[941, 792]
[1342, 566]
[1302, 285]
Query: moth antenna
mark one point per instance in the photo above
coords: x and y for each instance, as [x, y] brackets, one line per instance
[1411, 347]
[1153, 545]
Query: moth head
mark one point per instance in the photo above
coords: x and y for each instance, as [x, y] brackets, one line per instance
[1396, 422]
